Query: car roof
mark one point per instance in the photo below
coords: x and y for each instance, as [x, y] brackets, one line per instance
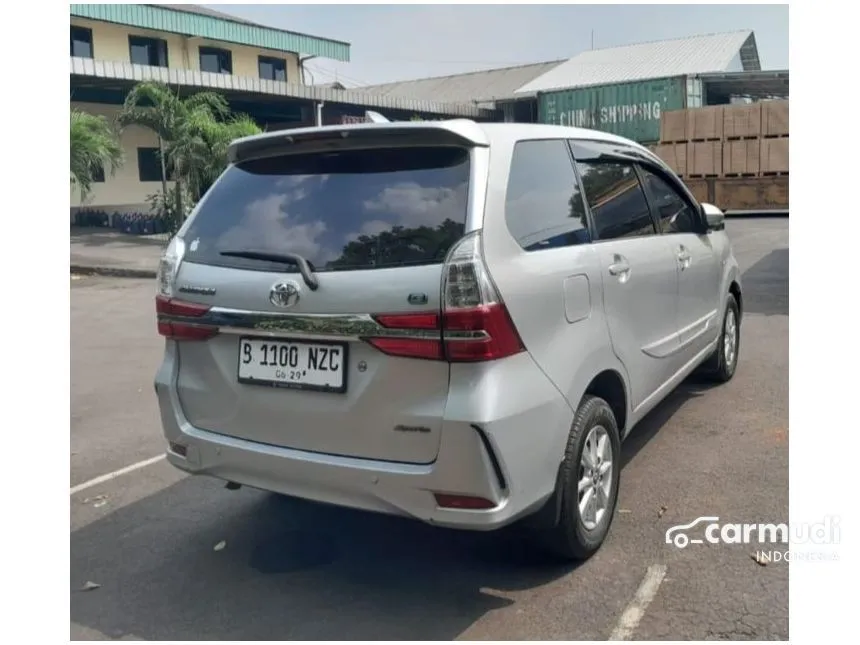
[478, 133]
[544, 130]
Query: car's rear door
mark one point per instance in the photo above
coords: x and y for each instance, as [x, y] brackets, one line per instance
[332, 369]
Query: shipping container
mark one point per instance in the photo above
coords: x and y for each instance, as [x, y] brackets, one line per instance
[631, 110]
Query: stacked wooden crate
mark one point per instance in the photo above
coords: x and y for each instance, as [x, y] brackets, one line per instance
[733, 155]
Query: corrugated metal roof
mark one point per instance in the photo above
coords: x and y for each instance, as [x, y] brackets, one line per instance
[187, 78]
[659, 59]
[206, 11]
[201, 22]
[483, 86]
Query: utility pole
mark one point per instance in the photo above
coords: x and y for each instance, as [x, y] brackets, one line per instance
[592, 38]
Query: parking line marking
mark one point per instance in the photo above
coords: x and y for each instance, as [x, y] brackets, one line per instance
[636, 609]
[117, 473]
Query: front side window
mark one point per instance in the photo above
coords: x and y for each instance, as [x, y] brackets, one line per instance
[272, 69]
[616, 199]
[81, 42]
[342, 210]
[148, 51]
[215, 60]
[543, 204]
[675, 213]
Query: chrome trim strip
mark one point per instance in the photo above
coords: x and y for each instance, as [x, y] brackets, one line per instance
[319, 326]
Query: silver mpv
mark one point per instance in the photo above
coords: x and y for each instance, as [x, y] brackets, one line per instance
[453, 321]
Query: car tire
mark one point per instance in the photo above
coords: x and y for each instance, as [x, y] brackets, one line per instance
[721, 365]
[572, 537]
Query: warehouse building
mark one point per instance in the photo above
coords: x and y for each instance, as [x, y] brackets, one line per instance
[623, 90]
[257, 68]
[488, 89]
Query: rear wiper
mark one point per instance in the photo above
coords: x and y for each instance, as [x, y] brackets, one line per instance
[305, 267]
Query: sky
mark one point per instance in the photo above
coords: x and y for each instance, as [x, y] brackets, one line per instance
[401, 42]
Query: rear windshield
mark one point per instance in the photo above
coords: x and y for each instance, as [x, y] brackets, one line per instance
[344, 210]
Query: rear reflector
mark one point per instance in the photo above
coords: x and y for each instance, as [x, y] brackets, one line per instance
[178, 448]
[165, 306]
[467, 502]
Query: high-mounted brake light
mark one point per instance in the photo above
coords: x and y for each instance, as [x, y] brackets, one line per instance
[474, 324]
[181, 330]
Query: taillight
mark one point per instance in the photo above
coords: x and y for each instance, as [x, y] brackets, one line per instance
[422, 337]
[484, 333]
[168, 266]
[474, 324]
[181, 330]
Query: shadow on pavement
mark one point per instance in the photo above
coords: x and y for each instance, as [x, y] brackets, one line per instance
[298, 570]
[290, 570]
[765, 285]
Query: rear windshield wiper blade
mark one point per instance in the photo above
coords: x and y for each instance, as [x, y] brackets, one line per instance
[305, 267]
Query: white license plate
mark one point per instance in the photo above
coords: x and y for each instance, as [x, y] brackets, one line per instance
[293, 364]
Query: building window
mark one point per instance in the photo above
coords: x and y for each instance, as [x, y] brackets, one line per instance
[148, 51]
[149, 164]
[98, 174]
[81, 42]
[217, 61]
[272, 69]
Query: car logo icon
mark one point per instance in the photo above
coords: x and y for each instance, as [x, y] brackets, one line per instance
[675, 535]
[284, 294]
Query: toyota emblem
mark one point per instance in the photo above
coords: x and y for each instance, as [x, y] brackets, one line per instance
[284, 294]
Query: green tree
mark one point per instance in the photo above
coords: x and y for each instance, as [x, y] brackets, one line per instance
[156, 107]
[201, 147]
[95, 147]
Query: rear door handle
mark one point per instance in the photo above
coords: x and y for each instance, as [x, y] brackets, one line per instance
[619, 267]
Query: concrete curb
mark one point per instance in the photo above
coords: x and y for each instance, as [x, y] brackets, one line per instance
[112, 271]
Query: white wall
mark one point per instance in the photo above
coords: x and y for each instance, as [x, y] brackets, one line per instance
[124, 192]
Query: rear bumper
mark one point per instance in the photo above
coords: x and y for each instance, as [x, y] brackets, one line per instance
[499, 457]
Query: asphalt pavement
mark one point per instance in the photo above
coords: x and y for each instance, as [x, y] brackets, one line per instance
[182, 558]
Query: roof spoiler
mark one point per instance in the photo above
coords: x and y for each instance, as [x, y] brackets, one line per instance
[362, 135]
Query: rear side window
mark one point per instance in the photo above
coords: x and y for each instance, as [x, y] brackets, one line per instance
[343, 210]
[543, 204]
[616, 199]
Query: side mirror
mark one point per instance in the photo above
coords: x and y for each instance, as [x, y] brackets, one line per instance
[714, 217]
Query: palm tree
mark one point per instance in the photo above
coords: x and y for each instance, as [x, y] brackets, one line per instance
[156, 107]
[201, 150]
[95, 146]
